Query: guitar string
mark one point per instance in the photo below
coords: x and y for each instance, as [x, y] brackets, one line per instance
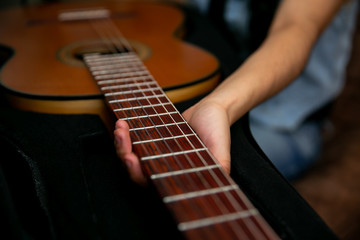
[154, 109]
[168, 166]
[164, 108]
[241, 196]
[114, 48]
[123, 41]
[121, 49]
[100, 32]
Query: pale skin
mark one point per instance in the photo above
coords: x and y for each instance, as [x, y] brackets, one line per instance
[279, 60]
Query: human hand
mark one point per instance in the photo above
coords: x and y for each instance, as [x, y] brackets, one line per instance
[124, 151]
[210, 122]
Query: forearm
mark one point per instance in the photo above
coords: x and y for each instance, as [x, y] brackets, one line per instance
[273, 66]
[276, 63]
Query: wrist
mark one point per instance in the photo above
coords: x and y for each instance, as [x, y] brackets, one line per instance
[224, 103]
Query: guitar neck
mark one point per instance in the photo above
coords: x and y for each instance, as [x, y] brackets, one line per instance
[204, 200]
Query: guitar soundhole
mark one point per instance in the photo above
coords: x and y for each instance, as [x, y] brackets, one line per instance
[72, 54]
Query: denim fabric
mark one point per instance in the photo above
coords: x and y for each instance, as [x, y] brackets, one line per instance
[279, 125]
[291, 152]
[321, 81]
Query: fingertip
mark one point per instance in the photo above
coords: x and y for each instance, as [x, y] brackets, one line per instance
[124, 151]
[133, 165]
[117, 134]
[225, 164]
[121, 124]
[227, 169]
[118, 124]
[118, 140]
[122, 141]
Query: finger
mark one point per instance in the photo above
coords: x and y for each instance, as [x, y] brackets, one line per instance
[121, 124]
[222, 155]
[133, 165]
[122, 138]
[225, 165]
[124, 151]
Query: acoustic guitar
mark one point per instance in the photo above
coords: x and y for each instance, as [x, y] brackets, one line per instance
[68, 58]
[48, 42]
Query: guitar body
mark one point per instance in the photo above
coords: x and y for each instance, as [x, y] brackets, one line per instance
[46, 73]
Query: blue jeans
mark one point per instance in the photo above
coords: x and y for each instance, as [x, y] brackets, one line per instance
[292, 152]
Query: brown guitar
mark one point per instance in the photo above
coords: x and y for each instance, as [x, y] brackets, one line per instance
[46, 72]
[53, 42]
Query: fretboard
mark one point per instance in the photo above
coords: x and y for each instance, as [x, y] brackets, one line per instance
[203, 199]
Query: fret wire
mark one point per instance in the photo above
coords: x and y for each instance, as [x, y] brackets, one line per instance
[194, 194]
[130, 99]
[160, 139]
[124, 80]
[128, 64]
[171, 154]
[117, 70]
[190, 142]
[137, 107]
[143, 128]
[178, 172]
[124, 86]
[95, 58]
[129, 91]
[114, 57]
[98, 61]
[136, 74]
[185, 226]
[148, 115]
[104, 59]
[122, 71]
